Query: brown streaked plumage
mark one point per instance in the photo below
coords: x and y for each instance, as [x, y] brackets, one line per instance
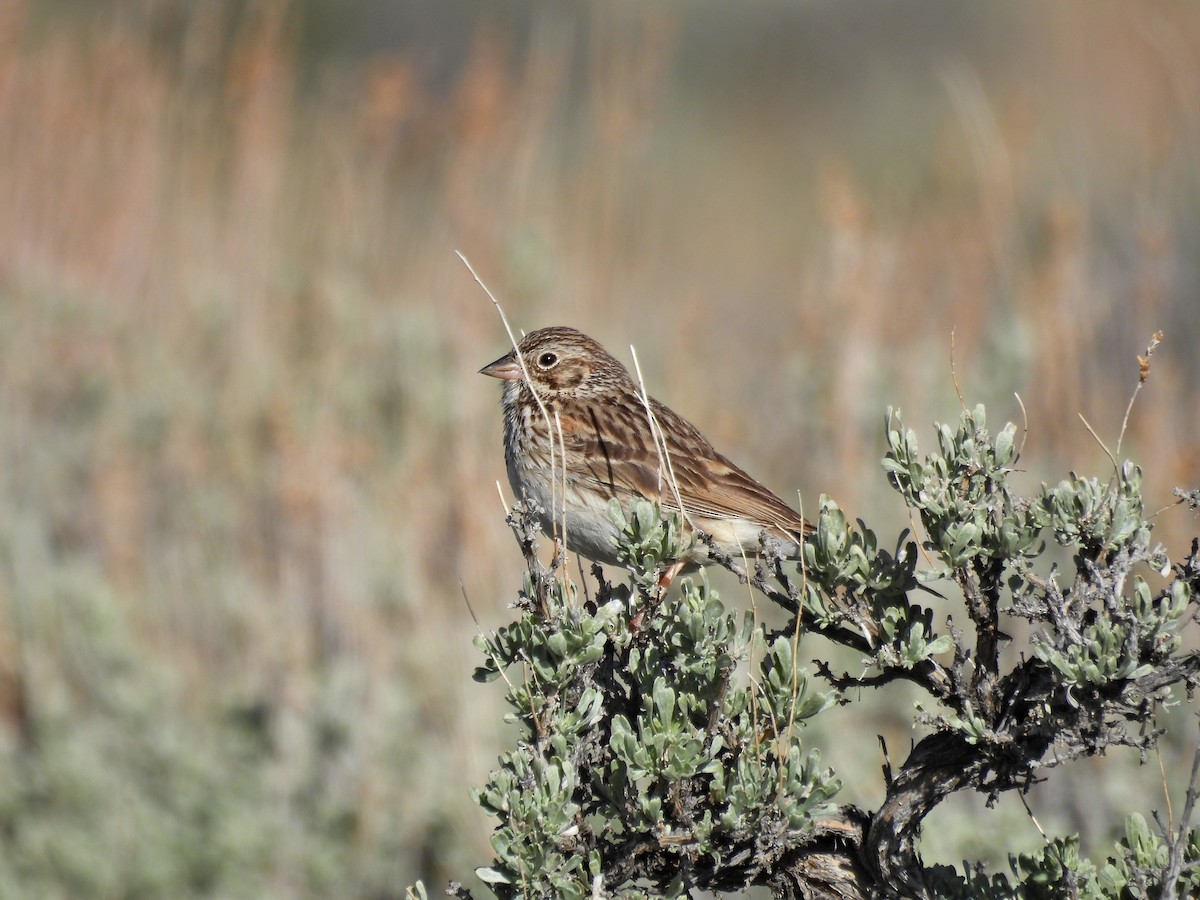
[610, 452]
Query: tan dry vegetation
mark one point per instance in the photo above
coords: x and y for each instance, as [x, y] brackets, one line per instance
[240, 415]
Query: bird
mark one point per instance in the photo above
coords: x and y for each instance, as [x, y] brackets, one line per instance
[579, 433]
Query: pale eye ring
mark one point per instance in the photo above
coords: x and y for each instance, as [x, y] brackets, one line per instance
[547, 359]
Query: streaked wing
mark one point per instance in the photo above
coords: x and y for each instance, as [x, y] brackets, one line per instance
[618, 454]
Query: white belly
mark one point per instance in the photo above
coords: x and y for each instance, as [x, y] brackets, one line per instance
[588, 528]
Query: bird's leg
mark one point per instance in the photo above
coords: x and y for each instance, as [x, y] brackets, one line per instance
[668, 576]
[664, 584]
[560, 554]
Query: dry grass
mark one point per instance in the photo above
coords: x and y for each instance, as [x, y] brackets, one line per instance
[237, 353]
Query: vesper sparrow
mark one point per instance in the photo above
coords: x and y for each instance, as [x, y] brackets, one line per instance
[595, 417]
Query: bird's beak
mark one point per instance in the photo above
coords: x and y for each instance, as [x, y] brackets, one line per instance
[507, 368]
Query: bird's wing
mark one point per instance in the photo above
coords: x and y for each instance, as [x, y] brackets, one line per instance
[617, 447]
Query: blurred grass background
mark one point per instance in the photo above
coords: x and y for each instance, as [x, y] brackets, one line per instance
[247, 468]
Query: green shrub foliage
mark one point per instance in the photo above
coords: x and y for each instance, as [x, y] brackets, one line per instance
[636, 742]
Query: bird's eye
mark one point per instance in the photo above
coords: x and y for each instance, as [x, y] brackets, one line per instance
[546, 360]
